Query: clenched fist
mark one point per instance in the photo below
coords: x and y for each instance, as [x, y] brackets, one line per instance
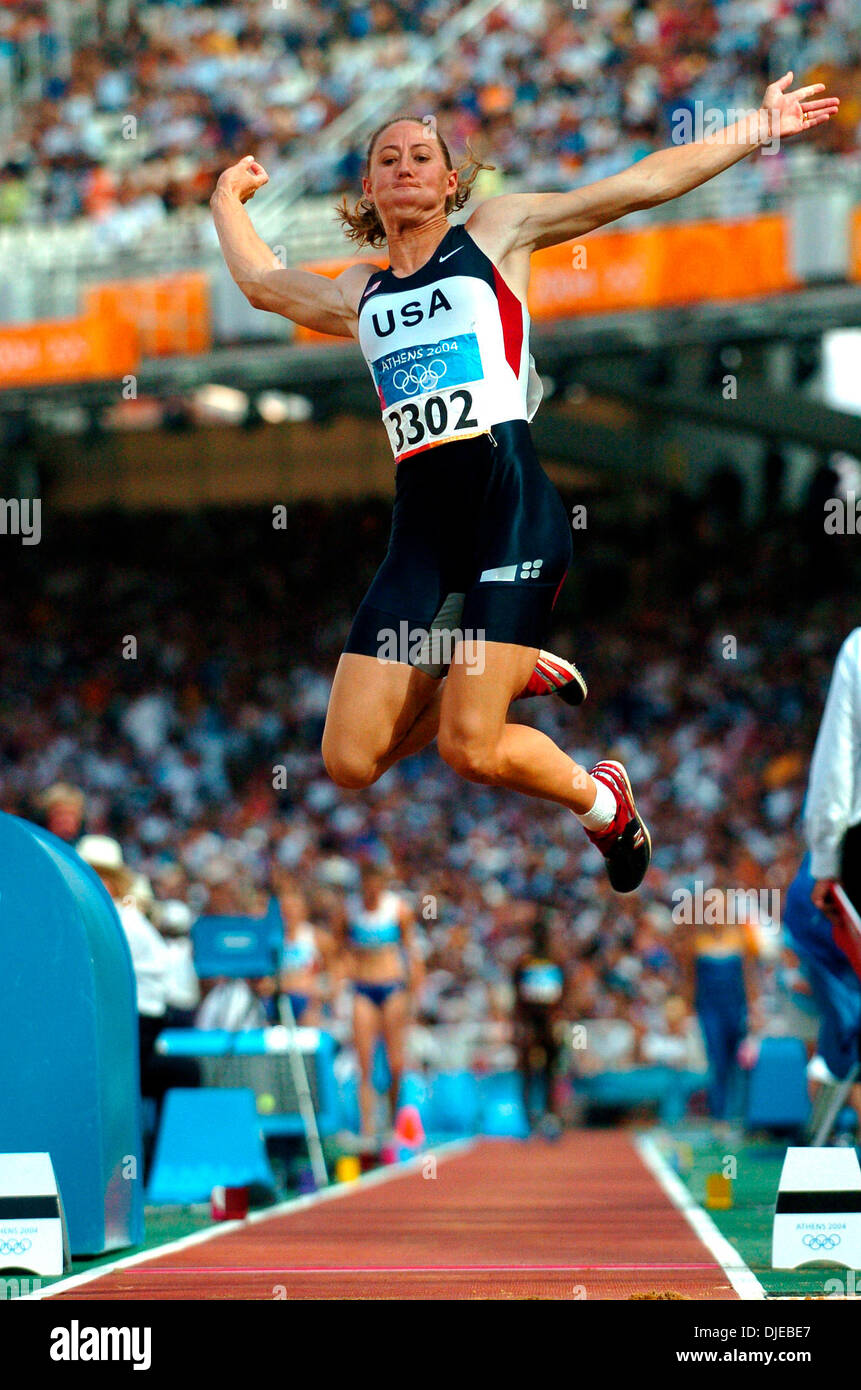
[242, 180]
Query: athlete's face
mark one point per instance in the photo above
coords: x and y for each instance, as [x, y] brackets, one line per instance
[372, 888]
[408, 177]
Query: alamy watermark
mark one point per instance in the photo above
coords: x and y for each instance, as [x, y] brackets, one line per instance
[21, 516]
[843, 515]
[439, 647]
[744, 127]
[711, 907]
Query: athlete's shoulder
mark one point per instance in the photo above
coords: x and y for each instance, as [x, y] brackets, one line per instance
[493, 228]
[495, 222]
[354, 281]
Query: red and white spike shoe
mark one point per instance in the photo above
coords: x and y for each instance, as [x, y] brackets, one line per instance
[625, 844]
[555, 676]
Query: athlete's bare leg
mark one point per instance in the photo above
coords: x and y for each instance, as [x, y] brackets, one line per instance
[394, 1017]
[476, 741]
[381, 712]
[366, 1030]
[375, 717]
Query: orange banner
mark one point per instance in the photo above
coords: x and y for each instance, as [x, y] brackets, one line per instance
[169, 312]
[661, 266]
[82, 349]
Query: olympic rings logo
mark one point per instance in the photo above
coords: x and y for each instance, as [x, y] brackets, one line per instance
[821, 1242]
[15, 1247]
[422, 376]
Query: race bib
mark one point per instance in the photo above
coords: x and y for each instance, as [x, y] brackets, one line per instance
[432, 392]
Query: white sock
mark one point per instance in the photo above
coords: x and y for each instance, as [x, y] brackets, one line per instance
[603, 809]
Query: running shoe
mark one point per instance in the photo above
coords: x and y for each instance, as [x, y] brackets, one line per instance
[626, 844]
[555, 676]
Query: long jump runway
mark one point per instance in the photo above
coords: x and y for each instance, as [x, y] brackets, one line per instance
[584, 1217]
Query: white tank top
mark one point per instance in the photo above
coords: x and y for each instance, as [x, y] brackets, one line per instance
[374, 927]
[448, 348]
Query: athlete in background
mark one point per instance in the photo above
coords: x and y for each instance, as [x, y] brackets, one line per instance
[539, 988]
[381, 958]
[307, 954]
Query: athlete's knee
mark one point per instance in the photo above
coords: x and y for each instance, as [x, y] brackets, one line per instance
[348, 766]
[472, 757]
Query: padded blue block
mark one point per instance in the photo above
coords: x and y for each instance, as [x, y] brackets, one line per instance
[208, 1138]
[502, 1110]
[777, 1092]
[69, 1071]
[415, 1090]
[348, 1104]
[665, 1087]
[454, 1106]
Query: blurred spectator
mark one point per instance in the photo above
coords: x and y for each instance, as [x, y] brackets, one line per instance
[151, 964]
[558, 99]
[63, 809]
[174, 921]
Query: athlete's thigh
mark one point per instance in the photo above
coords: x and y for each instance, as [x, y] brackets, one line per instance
[373, 704]
[366, 1028]
[483, 679]
[394, 1015]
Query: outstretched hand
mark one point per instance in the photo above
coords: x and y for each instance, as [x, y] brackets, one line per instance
[794, 112]
[243, 179]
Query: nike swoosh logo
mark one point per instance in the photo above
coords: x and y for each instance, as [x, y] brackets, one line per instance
[451, 253]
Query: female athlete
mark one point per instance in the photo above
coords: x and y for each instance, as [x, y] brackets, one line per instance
[478, 530]
[307, 951]
[382, 960]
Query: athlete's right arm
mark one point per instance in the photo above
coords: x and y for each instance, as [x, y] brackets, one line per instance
[314, 301]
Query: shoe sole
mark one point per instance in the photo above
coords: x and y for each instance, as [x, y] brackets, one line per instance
[574, 691]
[608, 762]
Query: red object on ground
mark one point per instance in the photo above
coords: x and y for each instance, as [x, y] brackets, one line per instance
[579, 1218]
[409, 1127]
[229, 1203]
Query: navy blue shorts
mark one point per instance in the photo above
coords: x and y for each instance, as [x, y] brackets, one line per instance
[476, 522]
[299, 1004]
[378, 993]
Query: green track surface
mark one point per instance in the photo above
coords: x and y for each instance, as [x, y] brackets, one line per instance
[748, 1224]
[162, 1225]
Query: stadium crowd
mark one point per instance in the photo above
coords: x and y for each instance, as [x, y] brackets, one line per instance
[554, 94]
[174, 672]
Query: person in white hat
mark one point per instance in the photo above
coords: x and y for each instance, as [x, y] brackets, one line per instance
[152, 965]
[174, 919]
[150, 956]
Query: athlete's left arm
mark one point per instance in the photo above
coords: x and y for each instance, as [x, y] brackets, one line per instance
[547, 219]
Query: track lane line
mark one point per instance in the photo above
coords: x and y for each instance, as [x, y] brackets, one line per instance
[223, 1228]
[742, 1279]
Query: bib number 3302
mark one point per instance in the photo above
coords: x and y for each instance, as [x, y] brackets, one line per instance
[429, 419]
